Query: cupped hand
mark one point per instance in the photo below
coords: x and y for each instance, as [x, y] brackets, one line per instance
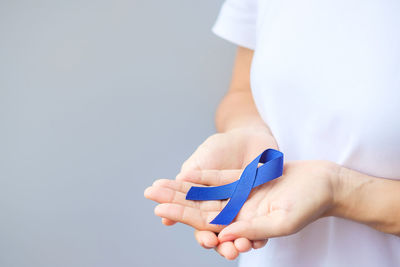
[304, 193]
[233, 149]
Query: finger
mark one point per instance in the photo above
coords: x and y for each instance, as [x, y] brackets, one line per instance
[206, 239]
[210, 177]
[184, 187]
[227, 250]
[259, 228]
[176, 185]
[167, 222]
[166, 195]
[259, 243]
[242, 244]
[187, 215]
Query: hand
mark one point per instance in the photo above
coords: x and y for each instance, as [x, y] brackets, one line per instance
[304, 193]
[230, 150]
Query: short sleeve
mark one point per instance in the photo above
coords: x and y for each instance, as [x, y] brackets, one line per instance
[237, 21]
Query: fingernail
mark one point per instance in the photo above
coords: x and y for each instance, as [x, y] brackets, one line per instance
[157, 210]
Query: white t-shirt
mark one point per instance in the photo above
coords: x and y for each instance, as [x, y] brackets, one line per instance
[326, 78]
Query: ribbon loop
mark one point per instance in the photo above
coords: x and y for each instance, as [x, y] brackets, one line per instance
[239, 190]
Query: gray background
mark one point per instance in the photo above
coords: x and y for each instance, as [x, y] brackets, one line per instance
[98, 99]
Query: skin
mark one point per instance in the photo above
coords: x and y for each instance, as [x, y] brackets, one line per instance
[273, 205]
[243, 145]
[307, 191]
[242, 134]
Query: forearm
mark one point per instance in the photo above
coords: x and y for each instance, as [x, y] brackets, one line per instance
[237, 109]
[369, 200]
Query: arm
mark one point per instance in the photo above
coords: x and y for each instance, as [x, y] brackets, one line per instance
[237, 109]
[369, 200]
[307, 190]
[242, 134]
[359, 197]
[238, 114]
[329, 189]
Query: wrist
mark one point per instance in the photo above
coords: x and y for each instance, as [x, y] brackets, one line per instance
[337, 179]
[341, 193]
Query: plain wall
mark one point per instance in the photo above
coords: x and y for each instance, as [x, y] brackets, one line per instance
[97, 100]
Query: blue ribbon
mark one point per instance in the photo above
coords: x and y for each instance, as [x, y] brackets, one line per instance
[239, 190]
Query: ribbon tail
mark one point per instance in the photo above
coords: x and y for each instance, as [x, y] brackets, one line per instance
[242, 191]
[239, 190]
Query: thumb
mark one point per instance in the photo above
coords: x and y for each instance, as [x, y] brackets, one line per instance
[210, 177]
[259, 228]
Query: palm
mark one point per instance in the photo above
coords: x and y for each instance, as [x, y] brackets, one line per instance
[291, 201]
[230, 150]
[224, 151]
[279, 207]
[199, 213]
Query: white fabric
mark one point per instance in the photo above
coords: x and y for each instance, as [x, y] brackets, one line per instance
[326, 78]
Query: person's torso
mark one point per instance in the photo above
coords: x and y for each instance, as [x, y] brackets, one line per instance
[326, 78]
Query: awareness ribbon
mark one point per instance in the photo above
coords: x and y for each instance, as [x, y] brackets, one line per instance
[239, 190]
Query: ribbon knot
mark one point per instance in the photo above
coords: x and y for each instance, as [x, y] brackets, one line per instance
[238, 191]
